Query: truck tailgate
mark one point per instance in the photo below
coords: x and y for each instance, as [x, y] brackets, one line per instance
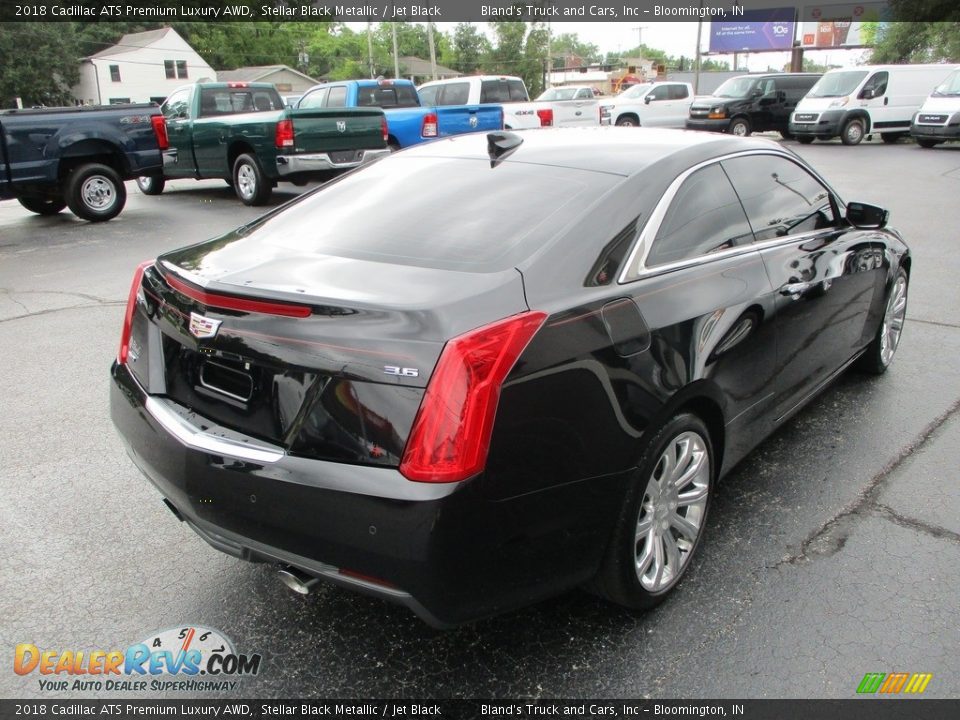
[337, 129]
[460, 119]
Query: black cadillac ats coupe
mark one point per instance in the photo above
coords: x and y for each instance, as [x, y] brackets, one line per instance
[491, 368]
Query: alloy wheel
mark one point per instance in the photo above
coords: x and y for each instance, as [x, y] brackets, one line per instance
[246, 181]
[893, 320]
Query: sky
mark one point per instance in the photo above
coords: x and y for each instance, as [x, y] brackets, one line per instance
[675, 38]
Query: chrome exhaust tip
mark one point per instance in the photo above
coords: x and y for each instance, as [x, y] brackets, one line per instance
[296, 580]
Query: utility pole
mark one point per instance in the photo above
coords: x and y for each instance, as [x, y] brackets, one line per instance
[370, 47]
[640, 30]
[433, 50]
[396, 57]
[696, 70]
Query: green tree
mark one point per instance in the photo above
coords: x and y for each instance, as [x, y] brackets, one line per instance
[470, 48]
[916, 42]
[570, 44]
[40, 63]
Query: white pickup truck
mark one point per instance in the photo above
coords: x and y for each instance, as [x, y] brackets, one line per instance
[552, 109]
[661, 104]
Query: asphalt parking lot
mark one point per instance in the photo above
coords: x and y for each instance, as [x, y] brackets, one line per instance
[832, 551]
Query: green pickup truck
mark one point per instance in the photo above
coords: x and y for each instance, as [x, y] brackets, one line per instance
[244, 134]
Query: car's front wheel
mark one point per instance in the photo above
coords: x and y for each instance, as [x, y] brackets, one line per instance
[927, 143]
[627, 121]
[740, 127]
[879, 354]
[852, 132]
[663, 518]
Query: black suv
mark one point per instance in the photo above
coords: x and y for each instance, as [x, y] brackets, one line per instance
[751, 103]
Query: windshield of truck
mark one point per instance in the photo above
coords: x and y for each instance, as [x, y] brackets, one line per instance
[554, 94]
[837, 84]
[636, 92]
[949, 87]
[739, 87]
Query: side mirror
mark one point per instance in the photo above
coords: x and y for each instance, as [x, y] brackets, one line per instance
[647, 99]
[869, 94]
[862, 215]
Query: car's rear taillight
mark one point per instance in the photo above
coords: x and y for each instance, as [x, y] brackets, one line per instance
[124, 350]
[451, 434]
[429, 128]
[284, 134]
[160, 130]
[546, 117]
[384, 130]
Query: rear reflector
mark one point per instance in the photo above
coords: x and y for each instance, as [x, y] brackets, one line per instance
[160, 130]
[546, 117]
[429, 125]
[229, 302]
[284, 134]
[450, 437]
[124, 351]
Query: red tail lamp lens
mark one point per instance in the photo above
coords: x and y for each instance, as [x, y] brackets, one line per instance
[451, 434]
[124, 352]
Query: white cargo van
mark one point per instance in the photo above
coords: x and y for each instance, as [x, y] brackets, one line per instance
[939, 118]
[854, 102]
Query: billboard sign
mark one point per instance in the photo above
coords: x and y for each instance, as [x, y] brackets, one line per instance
[754, 31]
[826, 26]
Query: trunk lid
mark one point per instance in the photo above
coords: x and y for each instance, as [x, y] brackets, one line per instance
[469, 118]
[337, 130]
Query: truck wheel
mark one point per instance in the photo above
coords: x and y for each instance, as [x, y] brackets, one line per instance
[151, 184]
[852, 132]
[740, 127]
[627, 121]
[42, 205]
[891, 137]
[248, 181]
[95, 192]
[927, 143]
[804, 139]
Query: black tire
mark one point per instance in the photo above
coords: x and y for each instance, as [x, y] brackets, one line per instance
[878, 357]
[786, 135]
[927, 143]
[804, 139]
[43, 205]
[229, 182]
[853, 132]
[151, 184]
[249, 182]
[627, 121]
[95, 192]
[739, 126]
[891, 137]
[619, 579]
[393, 146]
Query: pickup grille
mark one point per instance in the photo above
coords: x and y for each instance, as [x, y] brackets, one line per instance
[933, 119]
[805, 117]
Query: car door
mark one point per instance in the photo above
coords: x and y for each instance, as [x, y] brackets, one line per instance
[873, 97]
[657, 106]
[680, 100]
[706, 298]
[176, 111]
[827, 275]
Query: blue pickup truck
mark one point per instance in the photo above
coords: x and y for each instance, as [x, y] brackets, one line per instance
[408, 122]
[78, 157]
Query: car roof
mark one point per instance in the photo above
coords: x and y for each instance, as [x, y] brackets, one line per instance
[617, 150]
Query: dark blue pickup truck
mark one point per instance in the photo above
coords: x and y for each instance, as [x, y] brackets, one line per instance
[78, 157]
[408, 121]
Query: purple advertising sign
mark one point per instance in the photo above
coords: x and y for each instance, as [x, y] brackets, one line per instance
[766, 30]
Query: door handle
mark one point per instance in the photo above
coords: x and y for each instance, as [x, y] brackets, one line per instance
[886, 101]
[795, 290]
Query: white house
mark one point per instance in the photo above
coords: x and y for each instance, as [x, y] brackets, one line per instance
[141, 67]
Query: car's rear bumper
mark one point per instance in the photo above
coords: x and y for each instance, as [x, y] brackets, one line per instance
[447, 551]
[324, 162]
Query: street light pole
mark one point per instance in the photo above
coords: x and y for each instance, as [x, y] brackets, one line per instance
[396, 56]
[370, 47]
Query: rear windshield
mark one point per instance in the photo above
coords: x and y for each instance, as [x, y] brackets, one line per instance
[387, 96]
[448, 213]
[837, 84]
[229, 101]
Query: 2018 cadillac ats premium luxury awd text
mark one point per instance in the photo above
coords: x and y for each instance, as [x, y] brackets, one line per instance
[491, 368]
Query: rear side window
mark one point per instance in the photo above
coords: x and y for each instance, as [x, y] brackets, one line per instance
[705, 216]
[455, 94]
[780, 197]
[678, 92]
[337, 97]
[501, 91]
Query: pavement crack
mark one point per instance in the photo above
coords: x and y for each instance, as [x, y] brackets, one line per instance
[51, 311]
[832, 535]
[936, 323]
[941, 533]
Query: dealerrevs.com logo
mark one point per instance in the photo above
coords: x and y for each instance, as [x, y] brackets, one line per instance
[190, 659]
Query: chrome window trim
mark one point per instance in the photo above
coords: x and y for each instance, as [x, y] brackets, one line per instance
[652, 226]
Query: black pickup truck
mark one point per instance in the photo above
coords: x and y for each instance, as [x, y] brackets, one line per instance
[78, 157]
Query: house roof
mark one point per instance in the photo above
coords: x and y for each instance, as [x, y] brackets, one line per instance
[417, 66]
[258, 73]
[134, 41]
